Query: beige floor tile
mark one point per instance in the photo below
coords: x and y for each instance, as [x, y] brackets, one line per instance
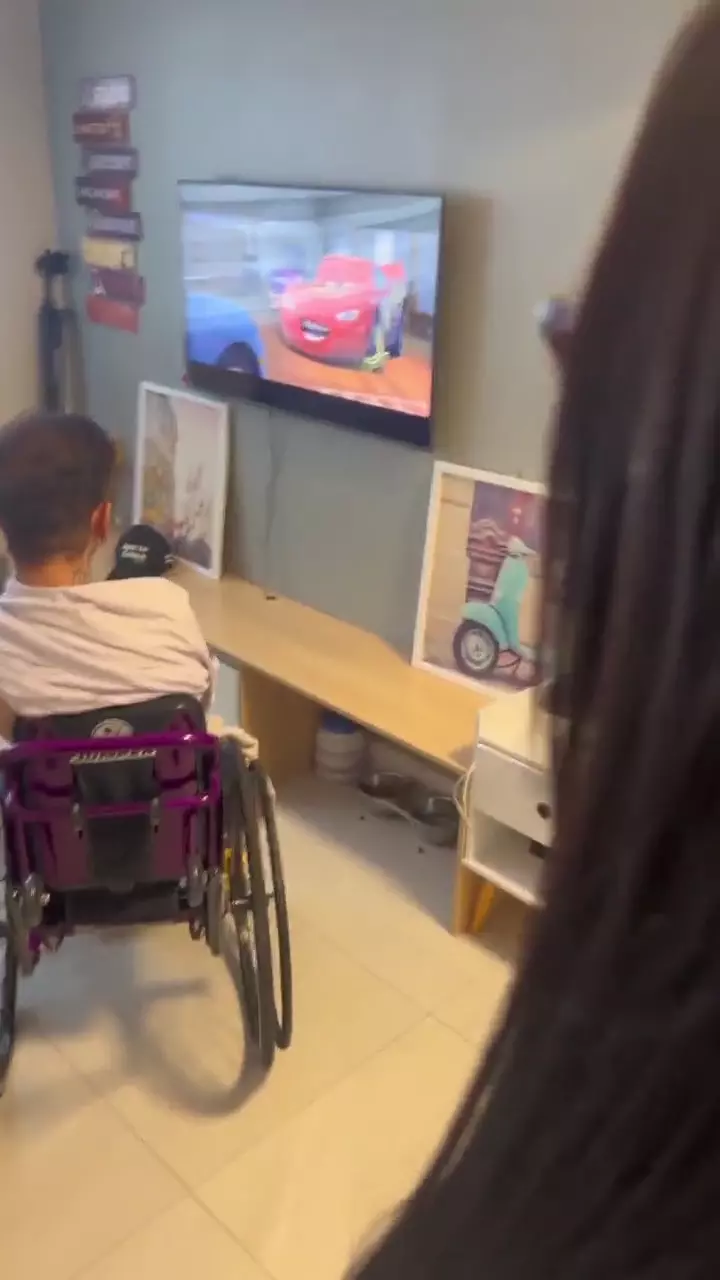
[476, 1005]
[132, 1081]
[154, 1028]
[43, 1093]
[104, 1000]
[184, 1244]
[74, 1180]
[305, 1200]
[365, 883]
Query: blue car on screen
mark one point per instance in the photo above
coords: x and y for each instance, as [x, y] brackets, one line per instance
[221, 332]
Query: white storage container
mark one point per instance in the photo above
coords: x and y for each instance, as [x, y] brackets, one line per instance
[339, 750]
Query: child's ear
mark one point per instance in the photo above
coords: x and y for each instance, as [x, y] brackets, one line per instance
[101, 522]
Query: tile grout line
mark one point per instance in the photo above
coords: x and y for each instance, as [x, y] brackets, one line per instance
[105, 1100]
[373, 973]
[187, 1188]
[323, 1097]
[186, 1191]
[328, 1093]
[106, 1255]
[240, 1244]
[480, 1048]
[193, 1193]
[316, 1102]
[93, 1100]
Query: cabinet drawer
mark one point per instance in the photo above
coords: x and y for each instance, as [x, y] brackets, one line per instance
[513, 793]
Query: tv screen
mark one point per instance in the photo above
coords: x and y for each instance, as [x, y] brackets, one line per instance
[316, 301]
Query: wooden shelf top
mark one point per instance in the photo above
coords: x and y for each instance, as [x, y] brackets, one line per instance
[338, 666]
[515, 726]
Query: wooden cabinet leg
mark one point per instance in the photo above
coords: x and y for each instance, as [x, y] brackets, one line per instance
[284, 722]
[466, 887]
[474, 898]
[484, 899]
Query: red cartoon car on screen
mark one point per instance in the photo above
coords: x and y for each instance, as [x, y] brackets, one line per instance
[353, 312]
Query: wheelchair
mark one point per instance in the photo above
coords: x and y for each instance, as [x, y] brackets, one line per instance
[136, 815]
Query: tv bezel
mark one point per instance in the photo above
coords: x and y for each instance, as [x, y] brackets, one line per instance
[356, 415]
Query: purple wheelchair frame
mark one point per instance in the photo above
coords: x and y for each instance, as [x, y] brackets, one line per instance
[190, 849]
[45, 825]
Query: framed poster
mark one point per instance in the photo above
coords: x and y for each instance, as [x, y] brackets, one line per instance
[478, 612]
[181, 472]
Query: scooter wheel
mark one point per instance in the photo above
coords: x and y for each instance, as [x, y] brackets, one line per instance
[475, 649]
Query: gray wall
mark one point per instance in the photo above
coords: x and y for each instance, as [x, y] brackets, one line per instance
[26, 208]
[519, 109]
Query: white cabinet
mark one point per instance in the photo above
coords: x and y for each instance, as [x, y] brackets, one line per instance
[511, 817]
[514, 793]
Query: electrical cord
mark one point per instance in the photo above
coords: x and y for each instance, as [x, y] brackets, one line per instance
[461, 791]
[461, 800]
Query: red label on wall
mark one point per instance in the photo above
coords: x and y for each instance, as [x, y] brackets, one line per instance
[104, 194]
[111, 313]
[121, 286]
[102, 126]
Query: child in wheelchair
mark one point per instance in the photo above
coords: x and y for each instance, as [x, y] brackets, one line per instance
[167, 828]
[68, 644]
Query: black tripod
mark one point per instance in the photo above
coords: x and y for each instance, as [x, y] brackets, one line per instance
[53, 317]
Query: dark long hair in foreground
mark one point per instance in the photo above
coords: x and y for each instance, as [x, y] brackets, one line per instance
[588, 1147]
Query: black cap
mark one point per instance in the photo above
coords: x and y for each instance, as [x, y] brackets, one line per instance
[142, 552]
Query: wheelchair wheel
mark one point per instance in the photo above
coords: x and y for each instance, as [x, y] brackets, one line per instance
[8, 1001]
[284, 1017]
[248, 902]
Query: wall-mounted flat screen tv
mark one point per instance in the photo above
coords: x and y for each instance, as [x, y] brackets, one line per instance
[315, 301]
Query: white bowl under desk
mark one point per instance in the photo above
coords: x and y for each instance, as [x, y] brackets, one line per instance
[510, 798]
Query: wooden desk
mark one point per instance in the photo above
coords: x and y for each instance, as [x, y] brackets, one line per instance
[294, 662]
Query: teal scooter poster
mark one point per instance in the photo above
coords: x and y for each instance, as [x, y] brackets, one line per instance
[480, 592]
